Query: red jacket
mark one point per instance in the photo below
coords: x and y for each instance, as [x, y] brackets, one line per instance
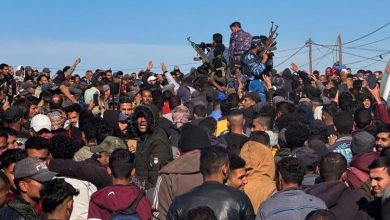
[358, 172]
[117, 198]
[383, 114]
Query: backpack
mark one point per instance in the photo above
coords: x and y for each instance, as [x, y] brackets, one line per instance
[130, 213]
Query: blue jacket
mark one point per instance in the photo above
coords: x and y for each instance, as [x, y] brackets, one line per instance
[289, 204]
[252, 63]
[343, 146]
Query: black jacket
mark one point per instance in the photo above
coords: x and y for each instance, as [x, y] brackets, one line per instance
[88, 170]
[226, 202]
[153, 152]
[153, 147]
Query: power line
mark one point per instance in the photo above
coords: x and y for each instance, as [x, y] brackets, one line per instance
[295, 53]
[377, 41]
[355, 55]
[364, 36]
[282, 57]
[357, 39]
[290, 49]
[318, 58]
[366, 49]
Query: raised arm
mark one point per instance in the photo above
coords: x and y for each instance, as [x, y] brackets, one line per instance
[73, 67]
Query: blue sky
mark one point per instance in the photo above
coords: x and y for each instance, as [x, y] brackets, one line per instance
[126, 34]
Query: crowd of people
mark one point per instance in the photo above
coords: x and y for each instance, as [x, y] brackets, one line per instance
[233, 139]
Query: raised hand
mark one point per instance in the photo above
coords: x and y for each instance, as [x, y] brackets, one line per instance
[375, 92]
[149, 66]
[294, 67]
[164, 68]
[78, 61]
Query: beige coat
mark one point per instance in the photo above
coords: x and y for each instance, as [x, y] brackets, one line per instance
[261, 183]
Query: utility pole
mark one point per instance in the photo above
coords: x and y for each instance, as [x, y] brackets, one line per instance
[309, 42]
[340, 50]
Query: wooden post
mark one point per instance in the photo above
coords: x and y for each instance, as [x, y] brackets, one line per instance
[340, 49]
[310, 56]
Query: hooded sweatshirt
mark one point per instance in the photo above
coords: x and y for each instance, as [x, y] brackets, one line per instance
[358, 173]
[178, 177]
[259, 159]
[117, 198]
[344, 202]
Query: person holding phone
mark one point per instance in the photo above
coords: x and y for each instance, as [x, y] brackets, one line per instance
[91, 96]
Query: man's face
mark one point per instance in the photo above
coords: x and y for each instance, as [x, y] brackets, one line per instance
[257, 126]
[123, 126]
[142, 123]
[108, 75]
[378, 75]
[380, 181]
[44, 80]
[31, 90]
[329, 85]
[367, 103]
[33, 189]
[328, 71]
[3, 144]
[42, 154]
[33, 110]
[126, 108]
[382, 140]
[73, 118]
[234, 29]
[247, 102]
[11, 142]
[152, 82]
[9, 172]
[104, 158]
[88, 75]
[238, 179]
[147, 97]
[5, 70]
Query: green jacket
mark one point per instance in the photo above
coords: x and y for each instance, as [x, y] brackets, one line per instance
[18, 209]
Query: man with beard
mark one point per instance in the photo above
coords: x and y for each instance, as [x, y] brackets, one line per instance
[30, 176]
[380, 183]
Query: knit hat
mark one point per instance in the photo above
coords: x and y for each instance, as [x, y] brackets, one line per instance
[192, 137]
[362, 142]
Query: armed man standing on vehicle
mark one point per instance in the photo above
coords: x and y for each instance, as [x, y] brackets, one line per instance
[254, 66]
[240, 42]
